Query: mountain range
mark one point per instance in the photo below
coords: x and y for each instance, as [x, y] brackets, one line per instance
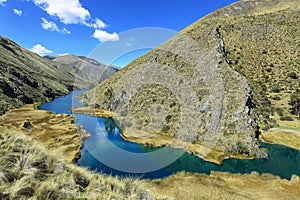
[26, 77]
[85, 67]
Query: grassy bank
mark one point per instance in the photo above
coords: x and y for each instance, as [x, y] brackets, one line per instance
[28, 170]
[31, 169]
[222, 185]
[203, 151]
[57, 132]
[285, 137]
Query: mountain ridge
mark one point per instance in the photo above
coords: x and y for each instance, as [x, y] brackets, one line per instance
[87, 68]
[232, 105]
[25, 77]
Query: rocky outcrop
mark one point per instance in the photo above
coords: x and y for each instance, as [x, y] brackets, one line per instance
[190, 88]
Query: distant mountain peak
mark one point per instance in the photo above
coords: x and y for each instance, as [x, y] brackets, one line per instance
[26, 77]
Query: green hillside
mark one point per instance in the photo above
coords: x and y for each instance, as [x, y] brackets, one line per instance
[219, 81]
[26, 77]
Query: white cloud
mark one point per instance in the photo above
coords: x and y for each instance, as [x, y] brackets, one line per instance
[98, 24]
[47, 25]
[65, 31]
[64, 54]
[68, 11]
[104, 36]
[2, 2]
[51, 26]
[18, 12]
[39, 49]
[72, 12]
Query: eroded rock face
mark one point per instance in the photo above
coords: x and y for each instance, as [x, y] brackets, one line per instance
[191, 95]
[188, 88]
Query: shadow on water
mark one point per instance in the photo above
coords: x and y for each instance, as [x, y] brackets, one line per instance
[283, 161]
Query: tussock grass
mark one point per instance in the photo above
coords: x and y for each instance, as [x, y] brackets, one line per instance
[284, 137]
[29, 171]
[58, 132]
[221, 185]
[267, 54]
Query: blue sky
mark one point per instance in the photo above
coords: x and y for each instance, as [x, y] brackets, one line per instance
[56, 27]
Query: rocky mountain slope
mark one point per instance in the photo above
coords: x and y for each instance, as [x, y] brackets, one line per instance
[25, 77]
[267, 54]
[87, 68]
[216, 82]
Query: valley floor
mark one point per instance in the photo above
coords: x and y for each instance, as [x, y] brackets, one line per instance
[31, 169]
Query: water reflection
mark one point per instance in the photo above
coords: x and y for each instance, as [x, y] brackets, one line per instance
[283, 161]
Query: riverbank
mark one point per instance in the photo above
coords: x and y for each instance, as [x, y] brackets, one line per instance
[30, 170]
[57, 132]
[222, 185]
[92, 112]
[46, 175]
[151, 139]
[160, 140]
[286, 133]
[290, 138]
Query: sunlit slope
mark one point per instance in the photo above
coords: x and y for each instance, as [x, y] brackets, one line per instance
[217, 81]
[87, 68]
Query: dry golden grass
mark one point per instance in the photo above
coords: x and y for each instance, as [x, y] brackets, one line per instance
[93, 112]
[291, 125]
[283, 137]
[57, 132]
[221, 185]
[28, 170]
[159, 140]
[281, 5]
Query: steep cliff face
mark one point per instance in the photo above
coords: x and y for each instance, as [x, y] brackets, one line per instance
[26, 77]
[190, 89]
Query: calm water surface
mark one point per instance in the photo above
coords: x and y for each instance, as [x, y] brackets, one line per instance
[283, 161]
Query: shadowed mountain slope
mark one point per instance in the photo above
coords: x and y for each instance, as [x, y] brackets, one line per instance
[25, 77]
